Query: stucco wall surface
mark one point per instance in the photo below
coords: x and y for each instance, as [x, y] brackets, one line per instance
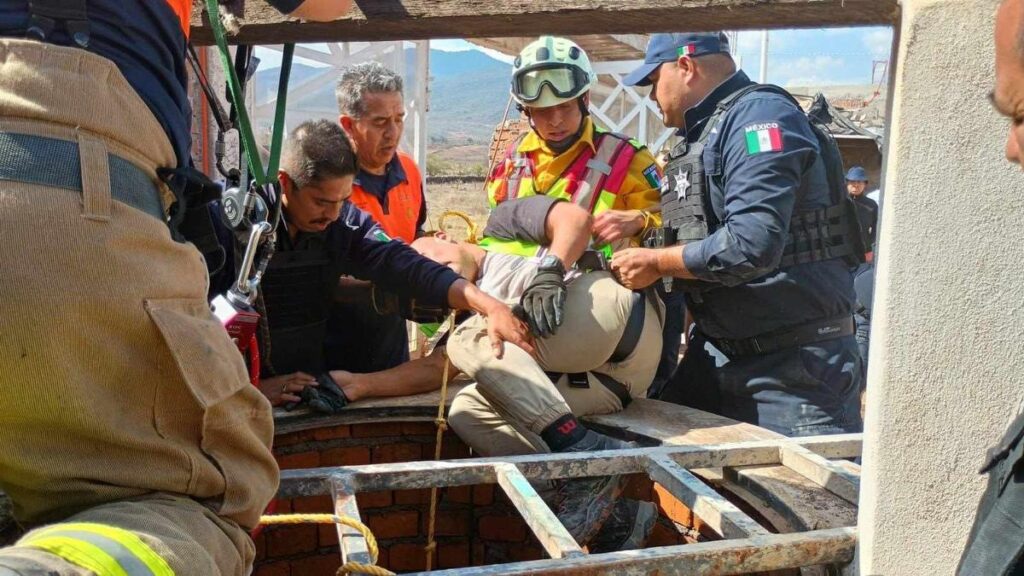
[946, 366]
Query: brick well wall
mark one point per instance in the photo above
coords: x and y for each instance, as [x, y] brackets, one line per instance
[476, 525]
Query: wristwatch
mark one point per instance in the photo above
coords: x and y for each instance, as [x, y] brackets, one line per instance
[553, 263]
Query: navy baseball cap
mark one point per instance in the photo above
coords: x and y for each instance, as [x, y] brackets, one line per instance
[857, 174]
[663, 48]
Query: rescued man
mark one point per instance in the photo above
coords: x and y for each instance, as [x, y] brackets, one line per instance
[389, 187]
[129, 427]
[601, 347]
[604, 352]
[321, 237]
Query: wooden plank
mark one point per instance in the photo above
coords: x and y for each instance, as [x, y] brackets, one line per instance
[829, 475]
[835, 445]
[421, 19]
[721, 515]
[350, 541]
[758, 554]
[599, 47]
[780, 492]
[800, 503]
[549, 531]
[655, 422]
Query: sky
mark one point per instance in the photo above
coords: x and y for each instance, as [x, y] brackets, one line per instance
[835, 56]
[831, 56]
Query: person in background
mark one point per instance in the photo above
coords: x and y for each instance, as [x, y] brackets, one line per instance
[867, 209]
[389, 187]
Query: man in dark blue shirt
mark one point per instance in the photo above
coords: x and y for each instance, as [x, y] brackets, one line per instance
[774, 339]
[321, 237]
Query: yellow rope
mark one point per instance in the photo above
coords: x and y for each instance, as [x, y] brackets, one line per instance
[348, 567]
[470, 225]
[442, 425]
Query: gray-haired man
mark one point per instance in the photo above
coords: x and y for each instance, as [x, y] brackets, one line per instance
[389, 187]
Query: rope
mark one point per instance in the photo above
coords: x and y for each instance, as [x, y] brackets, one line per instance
[348, 567]
[442, 425]
[470, 225]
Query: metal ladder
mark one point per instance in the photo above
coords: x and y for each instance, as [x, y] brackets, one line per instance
[746, 545]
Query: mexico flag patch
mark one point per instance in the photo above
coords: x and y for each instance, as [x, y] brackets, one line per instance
[763, 138]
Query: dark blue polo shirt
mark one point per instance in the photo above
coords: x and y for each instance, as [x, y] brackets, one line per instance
[764, 164]
[145, 40]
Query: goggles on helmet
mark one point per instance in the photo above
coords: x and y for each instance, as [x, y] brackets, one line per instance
[563, 80]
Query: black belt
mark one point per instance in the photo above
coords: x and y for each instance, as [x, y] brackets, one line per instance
[810, 333]
[627, 344]
[44, 161]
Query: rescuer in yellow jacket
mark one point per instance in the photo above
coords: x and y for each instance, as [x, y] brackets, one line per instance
[566, 155]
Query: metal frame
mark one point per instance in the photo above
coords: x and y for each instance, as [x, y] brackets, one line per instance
[746, 546]
[339, 55]
[626, 109]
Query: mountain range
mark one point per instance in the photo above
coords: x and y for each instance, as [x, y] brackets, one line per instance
[468, 93]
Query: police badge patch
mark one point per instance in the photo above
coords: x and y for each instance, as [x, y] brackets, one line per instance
[682, 184]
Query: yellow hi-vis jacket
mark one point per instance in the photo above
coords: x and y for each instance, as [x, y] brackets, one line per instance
[602, 171]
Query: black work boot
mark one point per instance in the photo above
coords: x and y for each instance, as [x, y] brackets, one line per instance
[585, 503]
[628, 527]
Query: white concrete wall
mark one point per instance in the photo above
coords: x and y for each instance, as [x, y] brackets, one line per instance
[947, 349]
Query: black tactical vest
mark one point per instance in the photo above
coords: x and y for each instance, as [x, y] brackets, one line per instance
[814, 235]
[295, 292]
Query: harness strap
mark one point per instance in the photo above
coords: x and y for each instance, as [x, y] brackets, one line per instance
[238, 99]
[582, 380]
[598, 169]
[520, 165]
[627, 344]
[634, 328]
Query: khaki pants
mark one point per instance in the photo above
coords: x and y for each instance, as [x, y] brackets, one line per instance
[118, 383]
[514, 400]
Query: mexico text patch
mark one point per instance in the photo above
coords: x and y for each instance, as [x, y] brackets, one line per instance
[651, 175]
[763, 138]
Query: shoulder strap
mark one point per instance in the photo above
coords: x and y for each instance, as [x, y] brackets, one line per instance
[599, 168]
[727, 103]
[520, 164]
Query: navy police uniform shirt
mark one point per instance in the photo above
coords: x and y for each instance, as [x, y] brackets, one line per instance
[763, 164]
[357, 246]
[144, 39]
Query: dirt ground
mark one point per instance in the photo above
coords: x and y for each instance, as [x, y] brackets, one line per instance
[467, 197]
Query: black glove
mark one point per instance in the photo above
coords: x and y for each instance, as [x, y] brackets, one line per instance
[327, 398]
[544, 299]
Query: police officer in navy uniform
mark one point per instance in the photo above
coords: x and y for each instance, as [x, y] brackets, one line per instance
[747, 200]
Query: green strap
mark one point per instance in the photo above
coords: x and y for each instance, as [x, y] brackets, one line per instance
[237, 98]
